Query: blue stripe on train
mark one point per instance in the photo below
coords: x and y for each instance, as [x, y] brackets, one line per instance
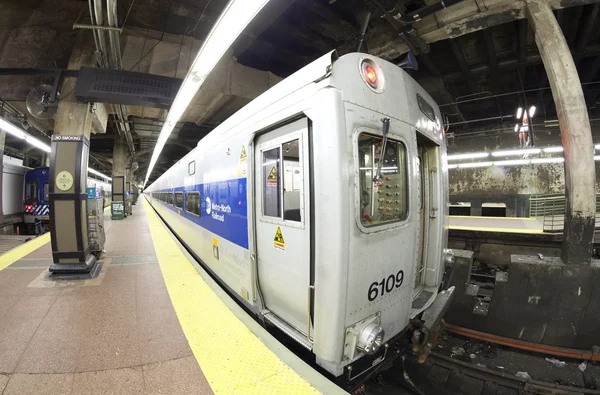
[223, 209]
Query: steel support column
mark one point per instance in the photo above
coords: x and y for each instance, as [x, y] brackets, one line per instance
[68, 175]
[2, 140]
[118, 178]
[576, 135]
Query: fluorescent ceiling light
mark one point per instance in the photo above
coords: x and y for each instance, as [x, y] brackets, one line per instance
[473, 155]
[552, 149]
[547, 160]
[451, 166]
[37, 143]
[517, 152]
[597, 146]
[519, 112]
[475, 164]
[11, 129]
[232, 21]
[512, 162]
[597, 157]
[531, 111]
[19, 133]
[96, 172]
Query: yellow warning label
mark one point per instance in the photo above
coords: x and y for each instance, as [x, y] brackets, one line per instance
[243, 155]
[273, 174]
[272, 177]
[278, 241]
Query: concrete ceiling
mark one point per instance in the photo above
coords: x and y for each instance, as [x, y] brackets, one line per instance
[479, 58]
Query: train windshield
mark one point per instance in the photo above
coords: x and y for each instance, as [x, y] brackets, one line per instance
[30, 190]
[385, 200]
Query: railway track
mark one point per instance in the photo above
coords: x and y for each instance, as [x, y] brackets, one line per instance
[445, 375]
[474, 379]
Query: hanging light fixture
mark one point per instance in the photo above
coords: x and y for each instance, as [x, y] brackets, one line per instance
[232, 21]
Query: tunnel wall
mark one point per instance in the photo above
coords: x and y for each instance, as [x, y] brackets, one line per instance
[512, 185]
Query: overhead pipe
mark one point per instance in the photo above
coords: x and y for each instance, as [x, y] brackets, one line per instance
[111, 37]
[421, 13]
[404, 23]
[363, 29]
[98, 54]
[99, 20]
[111, 14]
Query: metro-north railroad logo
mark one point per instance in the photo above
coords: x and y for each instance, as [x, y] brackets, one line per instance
[208, 205]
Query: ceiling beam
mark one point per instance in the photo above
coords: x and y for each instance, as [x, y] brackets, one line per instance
[522, 27]
[269, 14]
[444, 91]
[464, 67]
[586, 29]
[459, 20]
[490, 48]
[591, 71]
[513, 64]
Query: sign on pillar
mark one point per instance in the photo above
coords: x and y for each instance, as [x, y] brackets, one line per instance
[118, 198]
[68, 206]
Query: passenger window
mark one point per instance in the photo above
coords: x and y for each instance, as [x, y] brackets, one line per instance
[179, 199]
[30, 190]
[425, 107]
[385, 200]
[292, 181]
[46, 194]
[192, 203]
[170, 198]
[271, 182]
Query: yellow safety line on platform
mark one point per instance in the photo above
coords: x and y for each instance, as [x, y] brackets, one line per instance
[498, 218]
[501, 230]
[21, 251]
[232, 358]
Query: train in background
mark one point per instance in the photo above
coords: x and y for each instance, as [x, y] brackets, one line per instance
[37, 202]
[36, 207]
[103, 189]
[321, 206]
[13, 178]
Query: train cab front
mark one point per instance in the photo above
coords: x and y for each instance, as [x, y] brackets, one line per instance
[418, 338]
[36, 206]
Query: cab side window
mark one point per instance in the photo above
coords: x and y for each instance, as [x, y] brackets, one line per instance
[383, 200]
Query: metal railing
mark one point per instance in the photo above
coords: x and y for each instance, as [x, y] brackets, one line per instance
[550, 210]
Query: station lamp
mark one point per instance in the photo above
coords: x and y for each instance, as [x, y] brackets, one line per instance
[15, 131]
[232, 21]
[18, 133]
[524, 127]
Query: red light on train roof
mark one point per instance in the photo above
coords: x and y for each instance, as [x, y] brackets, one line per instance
[371, 75]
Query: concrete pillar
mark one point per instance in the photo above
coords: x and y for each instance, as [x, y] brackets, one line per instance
[68, 173]
[476, 209]
[576, 135]
[2, 140]
[118, 178]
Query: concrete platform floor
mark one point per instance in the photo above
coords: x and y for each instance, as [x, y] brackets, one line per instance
[117, 334]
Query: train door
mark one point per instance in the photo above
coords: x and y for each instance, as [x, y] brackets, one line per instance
[283, 221]
[425, 150]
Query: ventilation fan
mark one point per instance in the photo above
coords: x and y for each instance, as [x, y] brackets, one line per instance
[39, 102]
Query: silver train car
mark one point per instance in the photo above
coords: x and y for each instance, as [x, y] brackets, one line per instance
[103, 189]
[322, 207]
